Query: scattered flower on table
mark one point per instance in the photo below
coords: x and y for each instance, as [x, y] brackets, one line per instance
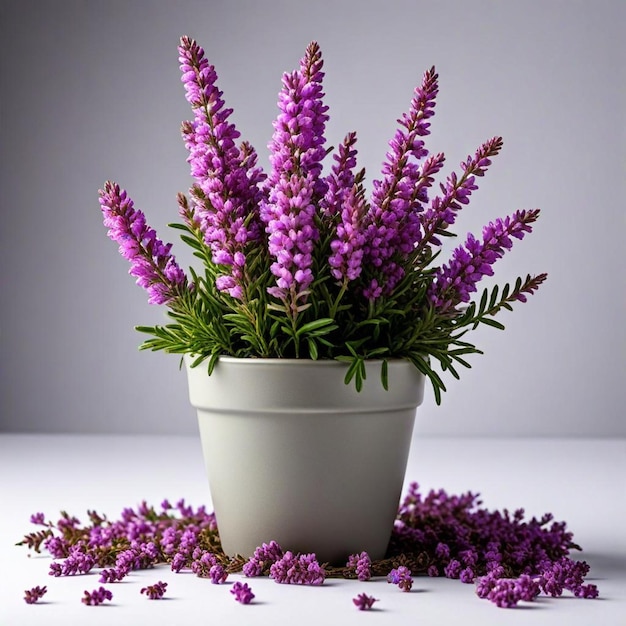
[292, 569]
[362, 565]
[510, 558]
[401, 576]
[35, 594]
[156, 591]
[363, 602]
[242, 592]
[97, 596]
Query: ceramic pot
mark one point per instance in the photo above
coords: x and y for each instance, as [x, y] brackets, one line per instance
[295, 455]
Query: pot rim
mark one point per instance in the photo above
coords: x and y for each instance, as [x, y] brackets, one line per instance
[292, 361]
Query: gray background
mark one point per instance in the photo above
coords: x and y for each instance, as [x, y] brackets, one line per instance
[91, 91]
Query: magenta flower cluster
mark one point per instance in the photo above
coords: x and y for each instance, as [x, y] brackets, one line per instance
[297, 569]
[155, 591]
[362, 565]
[242, 592]
[363, 602]
[97, 596]
[401, 576]
[151, 261]
[31, 596]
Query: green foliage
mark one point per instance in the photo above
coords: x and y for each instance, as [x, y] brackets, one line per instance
[334, 324]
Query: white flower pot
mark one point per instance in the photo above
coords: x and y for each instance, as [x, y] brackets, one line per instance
[295, 455]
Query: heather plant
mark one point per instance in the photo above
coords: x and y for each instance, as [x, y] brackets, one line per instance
[300, 261]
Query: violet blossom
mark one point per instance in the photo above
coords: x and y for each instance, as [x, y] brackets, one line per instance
[345, 206]
[457, 190]
[363, 602]
[31, 596]
[263, 558]
[156, 591]
[294, 185]
[151, 261]
[302, 569]
[453, 282]
[393, 222]
[227, 193]
[78, 561]
[401, 576]
[97, 596]
[242, 592]
[362, 565]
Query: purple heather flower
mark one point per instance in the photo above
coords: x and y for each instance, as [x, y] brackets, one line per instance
[453, 282]
[452, 569]
[264, 556]
[97, 596]
[227, 193]
[467, 575]
[58, 547]
[151, 262]
[242, 592]
[291, 236]
[35, 594]
[442, 551]
[362, 564]
[341, 179]
[203, 562]
[347, 248]
[112, 575]
[156, 591]
[179, 561]
[456, 192]
[303, 569]
[401, 576]
[38, 518]
[79, 561]
[297, 145]
[564, 573]
[363, 602]
[432, 571]
[393, 225]
[218, 574]
[507, 592]
[294, 186]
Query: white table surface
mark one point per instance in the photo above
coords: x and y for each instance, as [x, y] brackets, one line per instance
[580, 481]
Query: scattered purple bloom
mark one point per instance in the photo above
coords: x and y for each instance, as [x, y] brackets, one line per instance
[218, 574]
[97, 596]
[112, 575]
[31, 596]
[401, 576]
[302, 569]
[452, 569]
[78, 561]
[263, 558]
[156, 591]
[38, 518]
[242, 592]
[362, 565]
[363, 602]
[467, 575]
